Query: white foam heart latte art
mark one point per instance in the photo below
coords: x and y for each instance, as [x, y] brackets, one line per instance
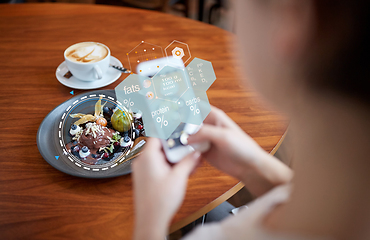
[86, 52]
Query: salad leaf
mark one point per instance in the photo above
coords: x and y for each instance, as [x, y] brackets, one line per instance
[111, 148]
[116, 137]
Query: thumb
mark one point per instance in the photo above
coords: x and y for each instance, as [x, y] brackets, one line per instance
[153, 144]
[186, 166]
[208, 133]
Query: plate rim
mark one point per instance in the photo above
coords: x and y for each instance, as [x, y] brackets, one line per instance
[73, 172]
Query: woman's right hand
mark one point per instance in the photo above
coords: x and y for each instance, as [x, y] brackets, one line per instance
[237, 154]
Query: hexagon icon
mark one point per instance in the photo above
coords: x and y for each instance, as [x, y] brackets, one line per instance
[178, 50]
[125, 92]
[170, 83]
[178, 53]
[143, 52]
[201, 74]
[194, 106]
[135, 91]
[160, 119]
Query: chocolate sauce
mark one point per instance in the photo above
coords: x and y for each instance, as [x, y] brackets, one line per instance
[98, 159]
[101, 140]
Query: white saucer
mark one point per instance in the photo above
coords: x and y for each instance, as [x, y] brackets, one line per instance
[110, 76]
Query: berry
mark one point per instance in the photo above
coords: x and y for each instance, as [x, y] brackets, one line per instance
[126, 139]
[106, 110]
[74, 127]
[137, 133]
[116, 144]
[102, 121]
[106, 155]
[76, 149]
[85, 149]
[140, 127]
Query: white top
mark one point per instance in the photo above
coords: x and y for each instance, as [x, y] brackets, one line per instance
[246, 224]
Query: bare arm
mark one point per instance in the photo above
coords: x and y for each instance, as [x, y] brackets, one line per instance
[237, 154]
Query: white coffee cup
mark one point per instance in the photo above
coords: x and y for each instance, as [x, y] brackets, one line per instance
[87, 61]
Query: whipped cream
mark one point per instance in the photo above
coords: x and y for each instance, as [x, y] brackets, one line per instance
[75, 131]
[124, 143]
[137, 114]
[84, 154]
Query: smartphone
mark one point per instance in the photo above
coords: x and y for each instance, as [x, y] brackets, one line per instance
[176, 146]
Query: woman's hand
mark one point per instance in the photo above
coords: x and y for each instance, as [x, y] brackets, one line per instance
[237, 154]
[159, 189]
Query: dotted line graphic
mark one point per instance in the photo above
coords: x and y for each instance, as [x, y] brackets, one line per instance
[77, 162]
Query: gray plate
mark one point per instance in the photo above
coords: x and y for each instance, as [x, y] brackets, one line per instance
[50, 141]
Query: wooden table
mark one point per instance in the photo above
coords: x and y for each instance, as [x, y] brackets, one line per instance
[39, 202]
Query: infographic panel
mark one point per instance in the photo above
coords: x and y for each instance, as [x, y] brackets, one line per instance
[164, 90]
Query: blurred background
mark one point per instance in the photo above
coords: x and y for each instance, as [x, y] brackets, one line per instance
[215, 12]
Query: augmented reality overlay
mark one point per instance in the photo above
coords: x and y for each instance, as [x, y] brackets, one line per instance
[164, 90]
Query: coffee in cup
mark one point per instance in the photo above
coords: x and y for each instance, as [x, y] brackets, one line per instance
[87, 61]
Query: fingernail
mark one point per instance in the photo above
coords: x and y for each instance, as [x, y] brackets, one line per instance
[196, 155]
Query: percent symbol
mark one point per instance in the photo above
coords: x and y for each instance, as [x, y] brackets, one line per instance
[128, 102]
[162, 121]
[195, 109]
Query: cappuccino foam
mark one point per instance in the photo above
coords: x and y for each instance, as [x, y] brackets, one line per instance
[86, 52]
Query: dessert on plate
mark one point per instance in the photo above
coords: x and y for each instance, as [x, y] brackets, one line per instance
[104, 135]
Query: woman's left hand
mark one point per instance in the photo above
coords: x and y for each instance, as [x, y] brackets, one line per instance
[159, 189]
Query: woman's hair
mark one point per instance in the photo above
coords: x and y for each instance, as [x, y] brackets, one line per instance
[339, 57]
